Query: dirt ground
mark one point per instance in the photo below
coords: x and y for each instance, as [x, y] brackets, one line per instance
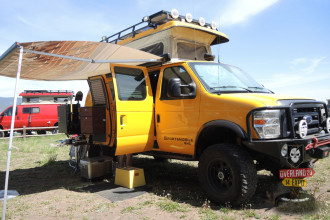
[52, 191]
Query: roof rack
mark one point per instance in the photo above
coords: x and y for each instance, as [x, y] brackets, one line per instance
[152, 21]
[48, 91]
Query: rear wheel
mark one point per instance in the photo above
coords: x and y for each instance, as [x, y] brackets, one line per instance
[2, 133]
[227, 174]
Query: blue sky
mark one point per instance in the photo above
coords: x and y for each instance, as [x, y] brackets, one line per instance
[283, 44]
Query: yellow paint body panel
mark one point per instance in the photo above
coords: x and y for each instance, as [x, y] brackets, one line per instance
[130, 177]
[135, 127]
[179, 120]
[89, 101]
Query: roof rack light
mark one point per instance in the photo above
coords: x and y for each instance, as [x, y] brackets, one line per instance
[213, 25]
[145, 19]
[201, 21]
[189, 17]
[174, 13]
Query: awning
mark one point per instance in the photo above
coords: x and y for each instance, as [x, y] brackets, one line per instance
[69, 60]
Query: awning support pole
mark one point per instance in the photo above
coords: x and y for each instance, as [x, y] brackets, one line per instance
[13, 116]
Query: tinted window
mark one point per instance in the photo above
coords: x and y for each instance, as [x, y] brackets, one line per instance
[175, 72]
[35, 110]
[31, 110]
[61, 99]
[33, 100]
[131, 84]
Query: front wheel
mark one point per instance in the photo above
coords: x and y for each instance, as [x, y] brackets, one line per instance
[2, 133]
[227, 174]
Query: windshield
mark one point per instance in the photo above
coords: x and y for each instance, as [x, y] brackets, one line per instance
[223, 78]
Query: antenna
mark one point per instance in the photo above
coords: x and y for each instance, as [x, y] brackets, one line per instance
[219, 42]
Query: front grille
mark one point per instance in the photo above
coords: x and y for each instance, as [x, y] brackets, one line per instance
[303, 111]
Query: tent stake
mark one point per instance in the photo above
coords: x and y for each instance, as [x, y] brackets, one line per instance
[13, 116]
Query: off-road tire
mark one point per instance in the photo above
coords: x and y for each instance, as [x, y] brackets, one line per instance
[227, 174]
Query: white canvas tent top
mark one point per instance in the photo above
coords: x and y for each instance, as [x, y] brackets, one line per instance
[62, 60]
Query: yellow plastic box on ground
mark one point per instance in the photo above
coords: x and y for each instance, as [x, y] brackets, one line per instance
[130, 177]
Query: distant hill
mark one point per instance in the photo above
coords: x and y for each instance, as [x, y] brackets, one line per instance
[7, 101]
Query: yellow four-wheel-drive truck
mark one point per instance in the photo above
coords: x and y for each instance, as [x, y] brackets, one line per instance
[191, 108]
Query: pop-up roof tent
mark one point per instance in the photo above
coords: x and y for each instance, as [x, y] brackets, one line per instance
[62, 60]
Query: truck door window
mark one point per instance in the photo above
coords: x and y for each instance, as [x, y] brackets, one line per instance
[175, 72]
[131, 84]
[8, 112]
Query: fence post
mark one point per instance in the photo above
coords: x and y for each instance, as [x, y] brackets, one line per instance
[24, 132]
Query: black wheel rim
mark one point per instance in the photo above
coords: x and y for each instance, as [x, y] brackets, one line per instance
[220, 175]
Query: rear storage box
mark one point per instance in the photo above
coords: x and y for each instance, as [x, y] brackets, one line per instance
[130, 177]
[95, 167]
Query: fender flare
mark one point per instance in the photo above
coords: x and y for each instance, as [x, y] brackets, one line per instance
[238, 130]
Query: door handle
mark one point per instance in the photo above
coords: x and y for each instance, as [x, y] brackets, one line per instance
[158, 118]
[123, 120]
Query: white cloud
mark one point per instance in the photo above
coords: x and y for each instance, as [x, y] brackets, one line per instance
[303, 70]
[308, 77]
[239, 11]
[313, 66]
[298, 61]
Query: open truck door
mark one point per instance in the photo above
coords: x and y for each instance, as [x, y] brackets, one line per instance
[134, 109]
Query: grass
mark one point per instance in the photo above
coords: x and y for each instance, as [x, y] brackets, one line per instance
[40, 166]
[249, 213]
[208, 214]
[168, 205]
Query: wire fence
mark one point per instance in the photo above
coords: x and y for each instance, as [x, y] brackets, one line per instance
[27, 131]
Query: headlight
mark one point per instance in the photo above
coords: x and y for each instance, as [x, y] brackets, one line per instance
[327, 125]
[267, 123]
[284, 150]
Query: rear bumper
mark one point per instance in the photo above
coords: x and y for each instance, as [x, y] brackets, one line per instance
[299, 150]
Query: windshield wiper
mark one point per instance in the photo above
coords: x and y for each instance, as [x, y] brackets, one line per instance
[256, 87]
[225, 87]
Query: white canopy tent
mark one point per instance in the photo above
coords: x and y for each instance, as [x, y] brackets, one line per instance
[62, 60]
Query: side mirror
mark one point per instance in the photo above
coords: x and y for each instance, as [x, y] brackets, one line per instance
[174, 87]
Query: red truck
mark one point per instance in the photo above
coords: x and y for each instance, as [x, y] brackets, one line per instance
[38, 109]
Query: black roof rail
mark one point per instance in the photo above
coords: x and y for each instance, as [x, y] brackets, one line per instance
[48, 91]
